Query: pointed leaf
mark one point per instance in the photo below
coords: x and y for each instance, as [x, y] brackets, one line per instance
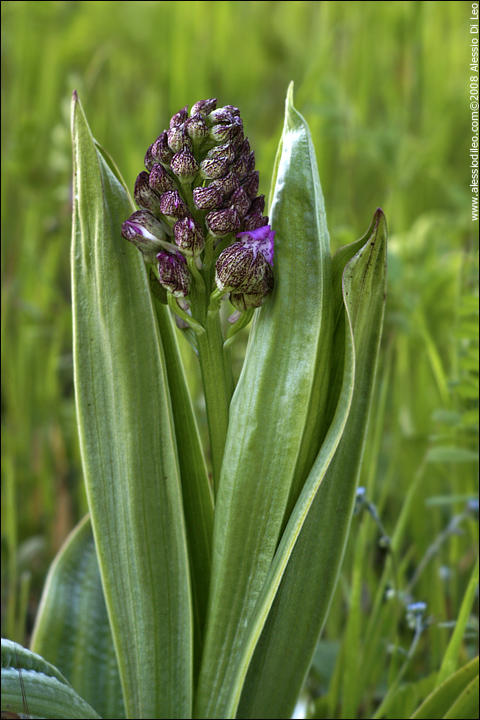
[277, 414]
[444, 697]
[315, 538]
[128, 445]
[72, 625]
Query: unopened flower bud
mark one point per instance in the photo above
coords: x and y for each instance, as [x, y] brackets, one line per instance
[240, 167]
[160, 180]
[207, 198]
[144, 195]
[220, 115]
[178, 138]
[227, 185]
[189, 236]
[254, 222]
[240, 202]
[160, 149]
[179, 117]
[184, 166]
[232, 110]
[251, 183]
[146, 232]
[225, 152]
[173, 273]
[212, 168]
[222, 133]
[149, 161]
[222, 222]
[196, 128]
[258, 205]
[203, 107]
[172, 206]
[243, 301]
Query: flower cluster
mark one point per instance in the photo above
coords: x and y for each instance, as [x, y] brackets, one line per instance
[198, 192]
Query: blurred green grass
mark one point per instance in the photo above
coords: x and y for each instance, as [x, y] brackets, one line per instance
[384, 87]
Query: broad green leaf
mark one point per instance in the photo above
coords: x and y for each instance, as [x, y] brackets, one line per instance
[72, 629]
[197, 492]
[277, 412]
[450, 659]
[314, 542]
[443, 698]
[128, 446]
[48, 694]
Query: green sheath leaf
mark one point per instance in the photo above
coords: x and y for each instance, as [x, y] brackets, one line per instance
[315, 538]
[277, 412]
[128, 446]
[72, 625]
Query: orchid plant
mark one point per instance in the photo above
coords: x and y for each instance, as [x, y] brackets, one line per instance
[199, 583]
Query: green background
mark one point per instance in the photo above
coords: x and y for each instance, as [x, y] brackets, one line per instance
[384, 87]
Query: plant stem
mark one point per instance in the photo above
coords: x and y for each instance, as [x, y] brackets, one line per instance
[218, 389]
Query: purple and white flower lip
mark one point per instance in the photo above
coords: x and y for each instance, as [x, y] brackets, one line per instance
[261, 240]
[246, 265]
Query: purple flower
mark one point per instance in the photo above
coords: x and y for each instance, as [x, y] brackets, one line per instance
[245, 267]
[262, 238]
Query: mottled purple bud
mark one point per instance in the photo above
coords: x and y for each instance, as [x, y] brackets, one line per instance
[244, 149]
[251, 163]
[225, 152]
[222, 222]
[243, 301]
[258, 205]
[253, 222]
[240, 167]
[149, 161]
[262, 239]
[144, 195]
[240, 202]
[250, 185]
[196, 128]
[160, 180]
[184, 166]
[232, 110]
[146, 232]
[178, 138]
[189, 236]
[207, 198]
[160, 150]
[243, 266]
[220, 115]
[172, 206]
[227, 184]
[203, 107]
[179, 117]
[212, 168]
[173, 273]
[222, 133]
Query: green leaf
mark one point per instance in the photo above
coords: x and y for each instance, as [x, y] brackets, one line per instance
[48, 694]
[196, 489]
[277, 414]
[72, 625]
[314, 542]
[128, 445]
[443, 699]
[450, 659]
